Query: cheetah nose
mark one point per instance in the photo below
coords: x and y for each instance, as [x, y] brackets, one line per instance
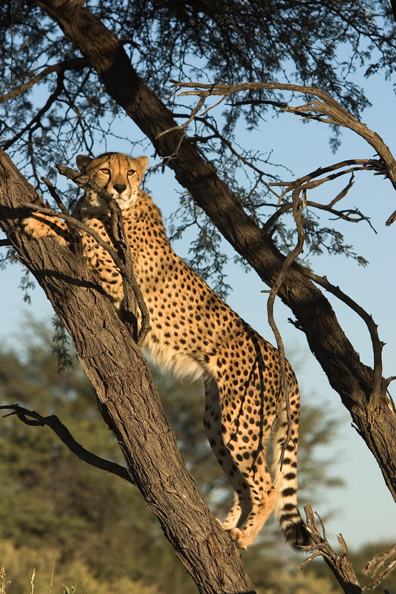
[119, 188]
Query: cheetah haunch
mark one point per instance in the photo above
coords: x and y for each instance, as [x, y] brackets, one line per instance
[194, 333]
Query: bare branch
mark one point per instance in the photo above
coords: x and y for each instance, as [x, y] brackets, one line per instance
[75, 64]
[270, 309]
[329, 110]
[31, 417]
[74, 234]
[377, 344]
[306, 182]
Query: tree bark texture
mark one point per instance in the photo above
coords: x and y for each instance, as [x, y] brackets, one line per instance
[127, 396]
[376, 421]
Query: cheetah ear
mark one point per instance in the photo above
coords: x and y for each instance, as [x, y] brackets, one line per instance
[82, 162]
[143, 162]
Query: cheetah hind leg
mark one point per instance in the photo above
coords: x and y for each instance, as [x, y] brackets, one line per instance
[247, 516]
[213, 429]
[255, 521]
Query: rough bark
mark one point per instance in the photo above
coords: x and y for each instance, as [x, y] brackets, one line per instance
[375, 420]
[128, 398]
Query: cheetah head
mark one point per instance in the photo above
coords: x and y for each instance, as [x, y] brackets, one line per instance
[119, 174]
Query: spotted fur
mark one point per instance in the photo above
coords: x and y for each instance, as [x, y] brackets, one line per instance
[194, 333]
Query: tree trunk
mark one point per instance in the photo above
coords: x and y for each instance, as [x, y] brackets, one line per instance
[127, 396]
[376, 421]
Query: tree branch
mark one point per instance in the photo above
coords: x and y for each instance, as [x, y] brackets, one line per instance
[35, 122]
[341, 566]
[31, 417]
[375, 563]
[332, 111]
[127, 397]
[75, 64]
[378, 345]
[298, 249]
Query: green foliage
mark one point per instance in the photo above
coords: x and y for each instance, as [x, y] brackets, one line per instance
[96, 525]
[37, 574]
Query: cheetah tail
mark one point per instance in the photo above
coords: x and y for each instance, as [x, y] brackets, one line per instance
[285, 482]
[298, 535]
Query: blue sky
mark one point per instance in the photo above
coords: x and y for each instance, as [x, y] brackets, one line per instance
[365, 509]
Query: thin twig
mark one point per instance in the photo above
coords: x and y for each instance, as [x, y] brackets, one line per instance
[36, 120]
[298, 249]
[74, 234]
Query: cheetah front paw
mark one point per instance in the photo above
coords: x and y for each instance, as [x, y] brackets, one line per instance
[41, 227]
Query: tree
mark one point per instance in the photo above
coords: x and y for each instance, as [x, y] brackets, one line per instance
[227, 48]
[75, 513]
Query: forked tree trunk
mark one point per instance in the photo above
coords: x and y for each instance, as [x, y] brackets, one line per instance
[128, 398]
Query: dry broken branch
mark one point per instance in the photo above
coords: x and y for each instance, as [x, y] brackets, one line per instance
[375, 563]
[341, 566]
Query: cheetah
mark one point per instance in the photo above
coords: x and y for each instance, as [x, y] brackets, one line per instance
[195, 333]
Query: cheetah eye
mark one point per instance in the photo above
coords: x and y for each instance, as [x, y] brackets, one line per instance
[131, 172]
[105, 170]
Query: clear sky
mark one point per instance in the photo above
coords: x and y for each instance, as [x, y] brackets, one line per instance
[365, 511]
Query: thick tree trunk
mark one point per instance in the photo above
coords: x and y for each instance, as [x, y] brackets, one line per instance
[128, 398]
[347, 375]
